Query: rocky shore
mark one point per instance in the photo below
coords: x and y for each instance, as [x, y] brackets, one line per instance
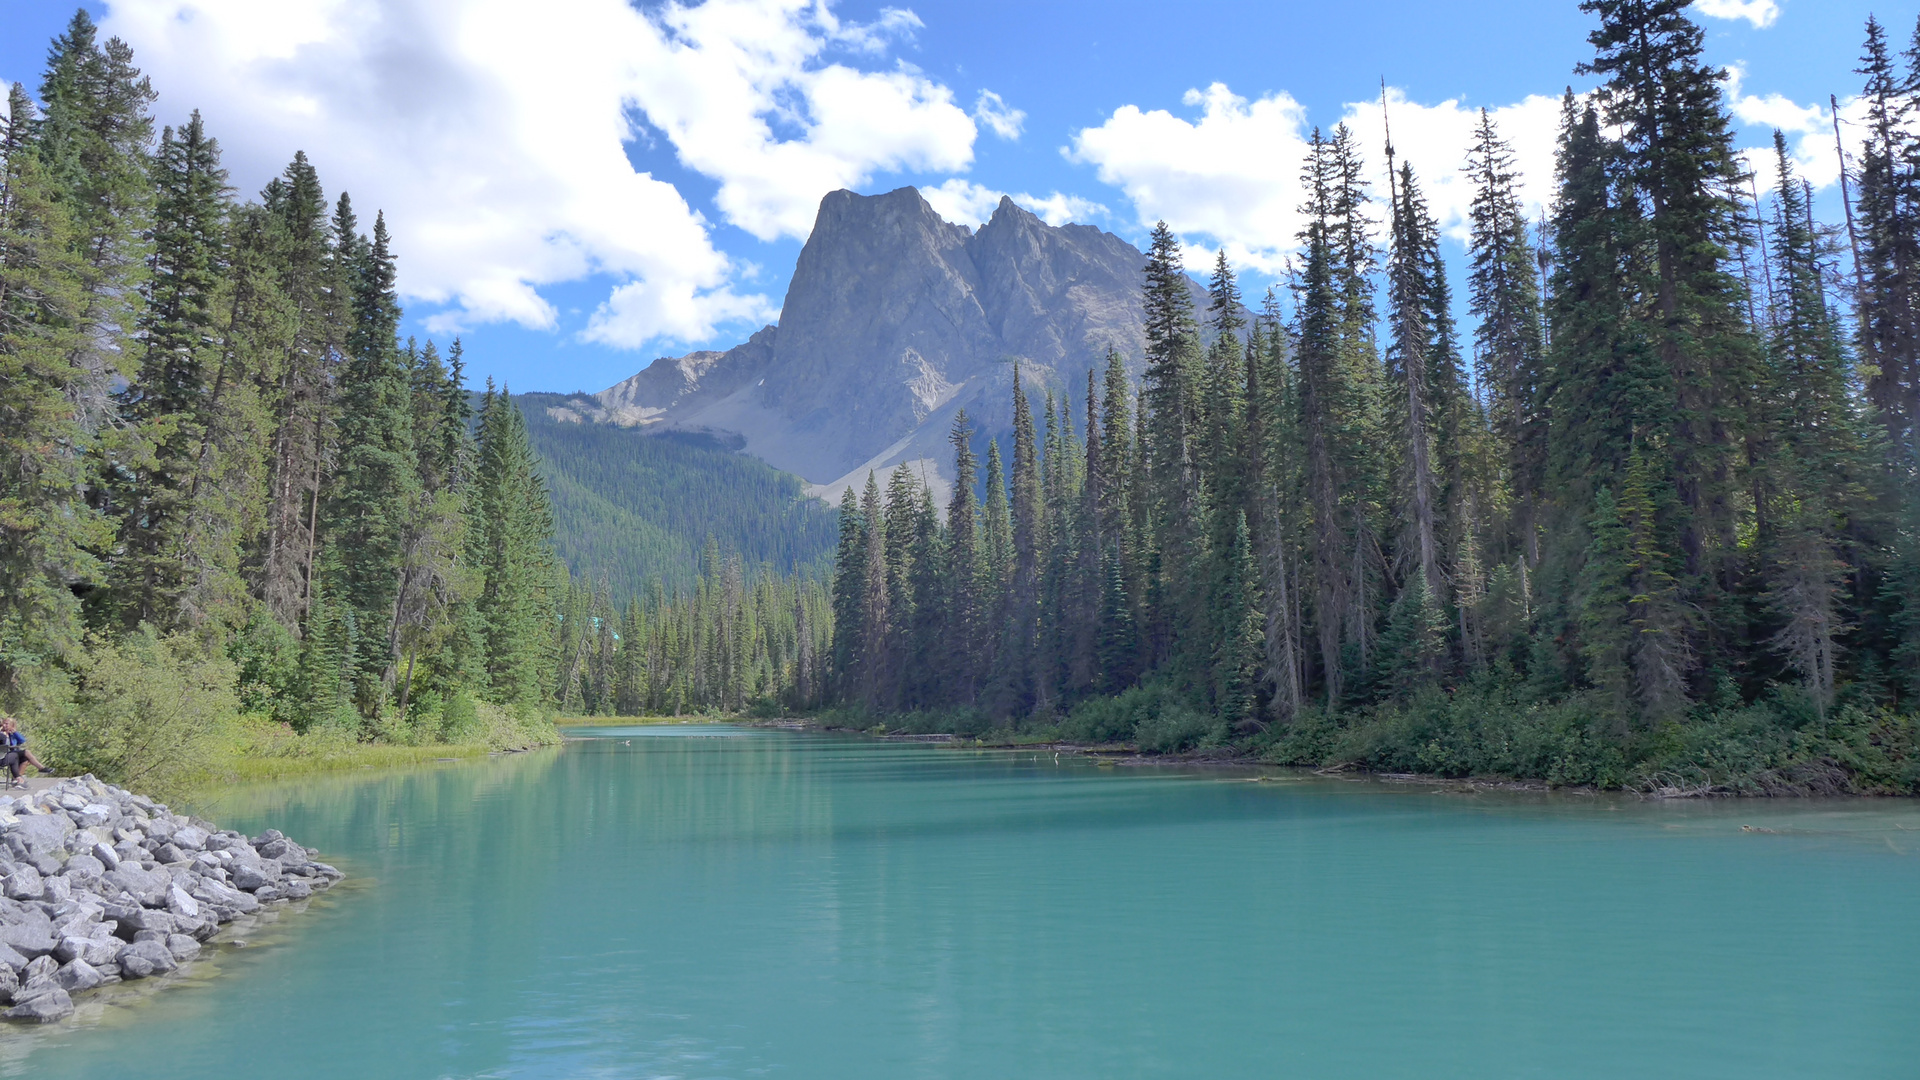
[101, 885]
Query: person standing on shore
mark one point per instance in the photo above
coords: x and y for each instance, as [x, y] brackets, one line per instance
[14, 752]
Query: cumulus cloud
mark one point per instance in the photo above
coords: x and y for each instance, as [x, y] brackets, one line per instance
[740, 89]
[1761, 13]
[495, 134]
[1808, 128]
[964, 202]
[961, 201]
[1231, 175]
[992, 111]
[1059, 209]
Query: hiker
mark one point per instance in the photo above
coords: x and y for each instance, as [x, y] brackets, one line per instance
[14, 752]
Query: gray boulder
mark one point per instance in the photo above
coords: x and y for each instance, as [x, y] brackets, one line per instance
[152, 920]
[79, 975]
[153, 954]
[38, 973]
[146, 886]
[182, 947]
[23, 884]
[94, 951]
[44, 1006]
[108, 858]
[32, 942]
[253, 875]
[86, 866]
[190, 838]
[42, 833]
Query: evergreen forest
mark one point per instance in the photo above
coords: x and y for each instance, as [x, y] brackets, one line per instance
[1654, 523]
[635, 508]
[233, 500]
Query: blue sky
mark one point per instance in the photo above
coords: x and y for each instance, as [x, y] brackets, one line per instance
[579, 186]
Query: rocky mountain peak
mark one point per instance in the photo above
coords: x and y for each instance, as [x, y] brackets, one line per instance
[895, 320]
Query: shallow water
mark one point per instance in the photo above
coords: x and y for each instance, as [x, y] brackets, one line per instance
[709, 902]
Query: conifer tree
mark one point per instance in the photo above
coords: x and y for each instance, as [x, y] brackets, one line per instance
[298, 383]
[170, 404]
[1677, 155]
[1504, 296]
[965, 568]
[873, 663]
[1889, 217]
[95, 139]
[1410, 290]
[512, 528]
[46, 531]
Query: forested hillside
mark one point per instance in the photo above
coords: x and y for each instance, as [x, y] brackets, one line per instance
[230, 494]
[1656, 523]
[636, 509]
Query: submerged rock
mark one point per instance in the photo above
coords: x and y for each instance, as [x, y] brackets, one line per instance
[99, 885]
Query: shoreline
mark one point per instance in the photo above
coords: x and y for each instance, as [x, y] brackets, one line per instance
[103, 886]
[1125, 755]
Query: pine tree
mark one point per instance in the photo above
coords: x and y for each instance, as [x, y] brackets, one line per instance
[298, 382]
[1238, 637]
[170, 404]
[46, 531]
[511, 530]
[965, 569]
[1889, 218]
[1504, 296]
[873, 662]
[1410, 290]
[1678, 157]
[849, 569]
[375, 499]
[95, 140]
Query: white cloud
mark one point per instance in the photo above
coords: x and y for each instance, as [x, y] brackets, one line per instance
[1233, 174]
[1058, 209]
[1761, 13]
[494, 133]
[964, 202]
[999, 117]
[1808, 128]
[724, 79]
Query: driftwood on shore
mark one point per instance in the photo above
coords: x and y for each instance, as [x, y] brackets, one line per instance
[101, 885]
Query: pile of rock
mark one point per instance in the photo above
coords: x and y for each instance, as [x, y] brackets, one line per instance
[102, 885]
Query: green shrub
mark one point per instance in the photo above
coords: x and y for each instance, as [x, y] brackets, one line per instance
[147, 712]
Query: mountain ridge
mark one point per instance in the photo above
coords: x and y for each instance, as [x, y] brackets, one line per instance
[895, 320]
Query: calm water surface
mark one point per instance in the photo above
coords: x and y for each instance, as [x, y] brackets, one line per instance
[706, 902]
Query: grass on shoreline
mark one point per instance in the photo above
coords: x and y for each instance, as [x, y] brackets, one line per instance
[639, 721]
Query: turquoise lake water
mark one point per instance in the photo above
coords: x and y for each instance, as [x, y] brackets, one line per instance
[707, 902]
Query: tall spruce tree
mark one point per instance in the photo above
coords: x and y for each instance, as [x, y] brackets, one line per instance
[170, 402]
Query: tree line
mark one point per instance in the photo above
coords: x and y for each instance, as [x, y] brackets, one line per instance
[1672, 468]
[218, 457]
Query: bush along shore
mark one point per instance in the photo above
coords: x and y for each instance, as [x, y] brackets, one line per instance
[102, 885]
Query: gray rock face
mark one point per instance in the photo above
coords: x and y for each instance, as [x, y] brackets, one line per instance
[895, 320]
[79, 912]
